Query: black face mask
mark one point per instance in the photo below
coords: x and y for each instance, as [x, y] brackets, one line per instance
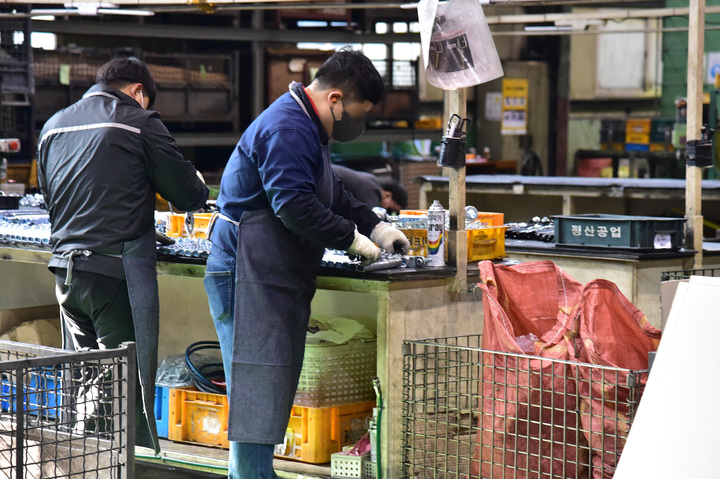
[347, 128]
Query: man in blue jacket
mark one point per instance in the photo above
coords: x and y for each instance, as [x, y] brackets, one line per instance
[100, 163]
[280, 206]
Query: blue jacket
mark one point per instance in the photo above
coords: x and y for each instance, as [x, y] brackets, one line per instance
[276, 165]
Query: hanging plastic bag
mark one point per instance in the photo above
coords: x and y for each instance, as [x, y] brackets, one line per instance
[458, 49]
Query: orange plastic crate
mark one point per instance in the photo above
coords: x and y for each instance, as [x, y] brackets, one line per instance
[482, 243]
[176, 228]
[198, 417]
[314, 434]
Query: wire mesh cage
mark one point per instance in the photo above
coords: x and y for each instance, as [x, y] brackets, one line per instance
[16, 56]
[474, 413]
[187, 68]
[686, 273]
[66, 414]
[70, 64]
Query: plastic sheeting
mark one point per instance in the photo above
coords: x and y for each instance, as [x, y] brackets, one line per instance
[594, 325]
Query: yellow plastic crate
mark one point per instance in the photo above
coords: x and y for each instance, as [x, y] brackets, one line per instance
[486, 243]
[482, 243]
[314, 434]
[491, 219]
[638, 125]
[176, 227]
[198, 417]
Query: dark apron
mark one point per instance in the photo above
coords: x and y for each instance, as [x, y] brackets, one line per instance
[276, 274]
[139, 260]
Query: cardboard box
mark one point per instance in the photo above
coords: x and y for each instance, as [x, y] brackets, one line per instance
[13, 188]
[12, 318]
[42, 332]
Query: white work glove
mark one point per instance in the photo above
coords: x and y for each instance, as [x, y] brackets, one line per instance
[390, 239]
[362, 246]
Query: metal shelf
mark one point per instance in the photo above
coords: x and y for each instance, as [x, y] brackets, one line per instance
[231, 139]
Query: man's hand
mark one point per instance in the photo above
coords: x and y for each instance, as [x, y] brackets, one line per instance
[390, 239]
[362, 246]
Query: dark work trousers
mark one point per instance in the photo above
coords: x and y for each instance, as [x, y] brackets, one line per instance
[96, 314]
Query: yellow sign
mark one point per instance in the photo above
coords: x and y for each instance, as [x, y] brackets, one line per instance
[514, 106]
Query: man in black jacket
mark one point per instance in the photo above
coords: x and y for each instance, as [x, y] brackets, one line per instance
[100, 163]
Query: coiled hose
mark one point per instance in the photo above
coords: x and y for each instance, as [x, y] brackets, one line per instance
[209, 377]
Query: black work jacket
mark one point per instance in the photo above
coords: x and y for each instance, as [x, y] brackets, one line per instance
[100, 163]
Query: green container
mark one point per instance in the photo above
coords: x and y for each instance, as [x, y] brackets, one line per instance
[619, 231]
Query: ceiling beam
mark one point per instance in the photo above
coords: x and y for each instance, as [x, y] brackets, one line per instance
[147, 30]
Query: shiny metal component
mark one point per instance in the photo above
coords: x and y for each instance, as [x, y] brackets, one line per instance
[471, 213]
[189, 222]
[414, 262]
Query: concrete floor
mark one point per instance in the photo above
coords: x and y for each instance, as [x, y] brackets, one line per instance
[147, 470]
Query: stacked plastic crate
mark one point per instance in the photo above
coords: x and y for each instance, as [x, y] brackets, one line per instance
[334, 400]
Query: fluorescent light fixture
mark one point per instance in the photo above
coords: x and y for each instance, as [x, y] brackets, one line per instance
[549, 28]
[311, 23]
[89, 10]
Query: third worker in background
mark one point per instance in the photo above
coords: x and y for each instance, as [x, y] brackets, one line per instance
[280, 206]
[386, 193]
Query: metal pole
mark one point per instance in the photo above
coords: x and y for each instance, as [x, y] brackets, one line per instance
[457, 235]
[693, 182]
[19, 422]
[258, 67]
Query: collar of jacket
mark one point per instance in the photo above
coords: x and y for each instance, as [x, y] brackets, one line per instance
[103, 88]
[299, 90]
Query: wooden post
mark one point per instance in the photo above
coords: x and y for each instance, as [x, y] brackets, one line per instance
[457, 236]
[693, 182]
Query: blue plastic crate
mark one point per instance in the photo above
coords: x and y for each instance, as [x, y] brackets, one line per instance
[162, 410]
[42, 393]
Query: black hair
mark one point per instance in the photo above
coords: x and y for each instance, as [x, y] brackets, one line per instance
[122, 71]
[353, 73]
[397, 190]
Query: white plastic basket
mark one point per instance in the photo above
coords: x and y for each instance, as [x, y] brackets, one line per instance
[337, 374]
[344, 466]
[369, 469]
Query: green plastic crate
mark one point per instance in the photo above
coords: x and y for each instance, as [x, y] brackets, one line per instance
[619, 231]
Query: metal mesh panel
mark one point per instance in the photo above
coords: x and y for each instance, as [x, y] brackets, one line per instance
[66, 414]
[397, 73]
[204, 69]
[686, 273]
[76, 65]
[16, 56]
[469, 412]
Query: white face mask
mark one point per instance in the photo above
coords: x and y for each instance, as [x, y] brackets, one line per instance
[142, 99]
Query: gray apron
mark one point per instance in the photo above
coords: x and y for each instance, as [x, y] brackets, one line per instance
[139, 259]
[276, 274]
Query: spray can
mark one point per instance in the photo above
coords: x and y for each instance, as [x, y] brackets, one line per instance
[436, 234]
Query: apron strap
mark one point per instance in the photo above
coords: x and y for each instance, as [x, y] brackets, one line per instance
[221, 216]
[69, 255]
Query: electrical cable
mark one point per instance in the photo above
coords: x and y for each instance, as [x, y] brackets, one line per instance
[207, 377]
[378, 434]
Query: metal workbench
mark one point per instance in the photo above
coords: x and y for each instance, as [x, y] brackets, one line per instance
[396, 305]
[566, 192]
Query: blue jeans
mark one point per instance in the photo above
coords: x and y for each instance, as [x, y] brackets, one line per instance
[246, 461]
